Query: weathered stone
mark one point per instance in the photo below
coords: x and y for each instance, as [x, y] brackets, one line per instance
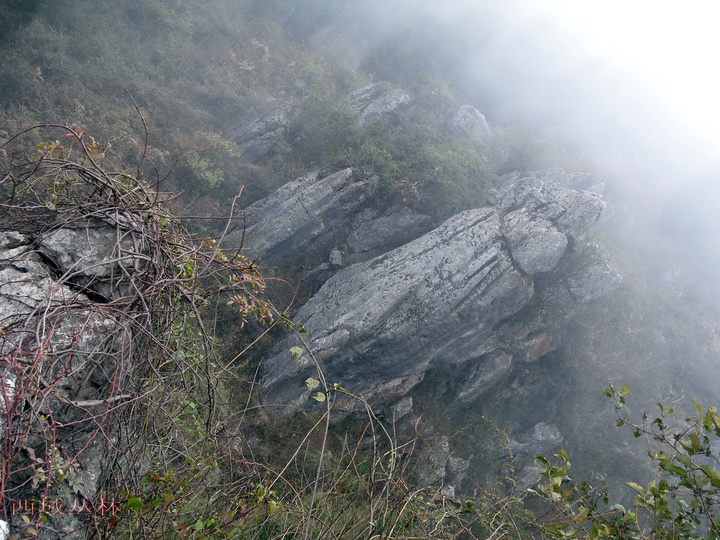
[371, 102]
[262, 131]
[295, 215]
[98, 256]
[379, 320]
[536, 245]
[384, 104]
[362, 97]
[389, 231]
[80, 350]
[571, 212]
[470, 123]
[452, 296]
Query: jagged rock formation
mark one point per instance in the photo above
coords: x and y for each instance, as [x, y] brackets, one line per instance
[301, 211]
[324, 215]
[261, 132]
[371, 101]
[462, 294]
[470, 123]
[66, 354]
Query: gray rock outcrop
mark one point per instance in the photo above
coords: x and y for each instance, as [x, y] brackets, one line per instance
[392, 229]
[97, 256]
[378, 321]
[470, 123]
[262, 131]
[441, 298]
[371, 101]
[68, 354]
[300, 212]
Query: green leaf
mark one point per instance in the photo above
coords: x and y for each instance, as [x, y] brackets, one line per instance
[673, 469]
[296, 352]
[712, 473]
[636, 487]
[624, 390]
[134, 503]
[311, 383]
[682, 458]
[319, 396]
[686, 445]
[698, 409]
[695, 441]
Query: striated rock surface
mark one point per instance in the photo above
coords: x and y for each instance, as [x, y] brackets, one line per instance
[448, 297]
[392, 229]
[379, 321]
[262, 130]
[371, 102]
[470, 123]
[301, 211]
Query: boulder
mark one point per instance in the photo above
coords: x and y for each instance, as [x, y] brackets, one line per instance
[302, 211]
[73, 356]
[371, 102]
[562, 209]
[470, 123]
[97, 255]
[536, 244]
[362, 97]
[262, 131]
[433, 300]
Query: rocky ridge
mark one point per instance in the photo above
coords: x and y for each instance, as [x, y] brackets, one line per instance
[462, 294]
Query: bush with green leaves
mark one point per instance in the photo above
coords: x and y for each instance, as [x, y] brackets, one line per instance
[682, 502]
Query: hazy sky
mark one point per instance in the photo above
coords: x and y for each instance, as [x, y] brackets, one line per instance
[635, 79]
[639, 69]
[668, 47]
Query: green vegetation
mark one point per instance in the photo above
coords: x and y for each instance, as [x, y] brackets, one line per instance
[202, 478]
[14, 14]
[203, 459]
